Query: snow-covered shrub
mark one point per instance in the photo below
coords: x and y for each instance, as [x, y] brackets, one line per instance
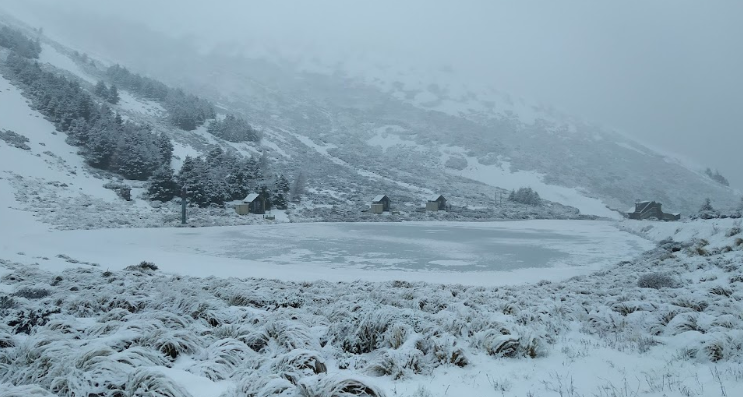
[24, 321]
[735, 230]
[525, 195]
[32, 293]
[456, 163]
[341, 387]
[146, 382]
[399, 363]
[7, 302]
[365, 334]
[656, 281]
[8, 390]
[144, 266]
[14, 139]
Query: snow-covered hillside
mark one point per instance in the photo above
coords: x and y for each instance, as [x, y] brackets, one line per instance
[339, 186]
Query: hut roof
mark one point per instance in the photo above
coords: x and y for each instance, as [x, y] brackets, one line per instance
[251, 197]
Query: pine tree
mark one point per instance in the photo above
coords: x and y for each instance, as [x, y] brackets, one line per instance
[163, 186]
[282, 185]
[113, 95]
[707, 206]
[165, 147]
[279, 201]
[707, 211]
[263, 162]
[193, 176]
[298, 187]
[233, 129]
[265, 194]
[100, 89]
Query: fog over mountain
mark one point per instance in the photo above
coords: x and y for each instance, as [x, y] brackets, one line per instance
[663, 72]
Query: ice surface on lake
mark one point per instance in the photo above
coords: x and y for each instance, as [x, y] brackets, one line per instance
[496, 253]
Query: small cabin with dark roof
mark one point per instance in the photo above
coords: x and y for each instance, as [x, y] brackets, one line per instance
[651, 210]
[380, 202]
[255, 203]
[436, 203]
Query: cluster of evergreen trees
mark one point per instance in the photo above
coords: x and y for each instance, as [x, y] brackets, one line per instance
[132, 150]
[186, 111]
[233, 129]
[212, 179]
[107, 142]
[217, 178]
[18, 42]
[717, 177]
[110, 94]
[525, 195]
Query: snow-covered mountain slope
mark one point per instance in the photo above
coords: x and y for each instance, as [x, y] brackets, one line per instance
[339, 187]
[43, 175]
[356, 134]
[347, 107]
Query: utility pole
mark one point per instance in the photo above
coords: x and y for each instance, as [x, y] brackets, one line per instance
[183, 205]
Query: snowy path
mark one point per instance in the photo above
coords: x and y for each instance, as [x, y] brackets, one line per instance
[499, 253]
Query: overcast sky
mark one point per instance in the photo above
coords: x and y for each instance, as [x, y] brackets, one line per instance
[665, 71]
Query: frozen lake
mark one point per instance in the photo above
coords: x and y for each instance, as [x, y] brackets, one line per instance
[494, 253]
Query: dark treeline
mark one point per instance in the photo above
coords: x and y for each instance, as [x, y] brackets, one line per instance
[217, 178]
[233, 129]
[186, 111]
[18, 42]
[717, 177]
[525, 195]
[109, 94]
[106, 141]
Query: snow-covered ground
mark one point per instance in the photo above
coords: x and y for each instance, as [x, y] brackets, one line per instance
[52, 56]
[49, 158]
[96, 328]
[500, 175]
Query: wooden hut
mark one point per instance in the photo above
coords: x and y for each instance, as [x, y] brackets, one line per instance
[256, 203]
[380, 202]
[436, 203]
[651, 210]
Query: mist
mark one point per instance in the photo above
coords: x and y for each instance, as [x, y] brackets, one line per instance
[664, 72]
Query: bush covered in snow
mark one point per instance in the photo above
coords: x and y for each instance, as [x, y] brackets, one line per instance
[525, 195]
[14, 139]
[456, 162]
[656, 280]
